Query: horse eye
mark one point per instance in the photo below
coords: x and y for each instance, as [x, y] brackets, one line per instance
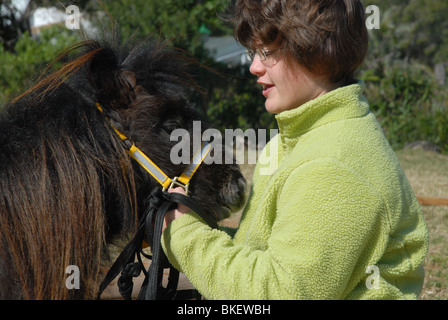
[171, 125]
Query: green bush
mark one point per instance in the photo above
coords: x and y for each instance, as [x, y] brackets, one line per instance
[236, 102]
[408, 102]
[19, 70]
[398, 72]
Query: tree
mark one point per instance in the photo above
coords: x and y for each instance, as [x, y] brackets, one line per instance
[21, 66]
[177, 22]
[399, 70]
[412, 30]
[404, 92]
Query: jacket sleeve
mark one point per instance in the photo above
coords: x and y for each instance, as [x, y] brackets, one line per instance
[327, 227]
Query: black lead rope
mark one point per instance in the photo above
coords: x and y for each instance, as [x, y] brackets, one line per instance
[150, 230]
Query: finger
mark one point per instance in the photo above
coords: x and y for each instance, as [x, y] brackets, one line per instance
[183, 209]
[177, 190]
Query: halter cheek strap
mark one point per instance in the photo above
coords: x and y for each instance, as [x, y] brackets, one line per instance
[157, 173]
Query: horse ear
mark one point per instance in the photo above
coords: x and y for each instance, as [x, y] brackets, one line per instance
[104, 75]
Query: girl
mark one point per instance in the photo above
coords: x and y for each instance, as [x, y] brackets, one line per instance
[337, 219]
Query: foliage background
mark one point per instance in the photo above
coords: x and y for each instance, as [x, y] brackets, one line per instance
[404, 74]
[409, 98]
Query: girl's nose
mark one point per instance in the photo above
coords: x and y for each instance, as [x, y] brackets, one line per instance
[257, 68]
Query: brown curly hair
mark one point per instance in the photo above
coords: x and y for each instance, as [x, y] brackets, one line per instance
[328, 37]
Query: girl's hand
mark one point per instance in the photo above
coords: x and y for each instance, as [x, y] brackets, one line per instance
[176, 213]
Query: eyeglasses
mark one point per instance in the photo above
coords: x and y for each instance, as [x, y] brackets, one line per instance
[262, 54]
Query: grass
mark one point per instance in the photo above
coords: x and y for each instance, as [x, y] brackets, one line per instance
[428, 174]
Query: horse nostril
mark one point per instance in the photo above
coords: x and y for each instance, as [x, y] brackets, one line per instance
[242, 192]
[242, 186]
[233, 195]
[239, 198]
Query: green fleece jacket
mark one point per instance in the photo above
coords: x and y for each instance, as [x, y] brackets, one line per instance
[331, 215]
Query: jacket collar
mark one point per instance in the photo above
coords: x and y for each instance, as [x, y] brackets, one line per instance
[340, 104]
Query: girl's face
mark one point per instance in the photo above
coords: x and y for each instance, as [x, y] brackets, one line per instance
[286, 85]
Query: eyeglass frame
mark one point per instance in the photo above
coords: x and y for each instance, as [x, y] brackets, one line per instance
[262, 53]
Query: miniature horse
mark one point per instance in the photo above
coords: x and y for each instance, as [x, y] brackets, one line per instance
[67, 185]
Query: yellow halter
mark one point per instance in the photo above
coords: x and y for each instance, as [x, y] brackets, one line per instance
[167, 183]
